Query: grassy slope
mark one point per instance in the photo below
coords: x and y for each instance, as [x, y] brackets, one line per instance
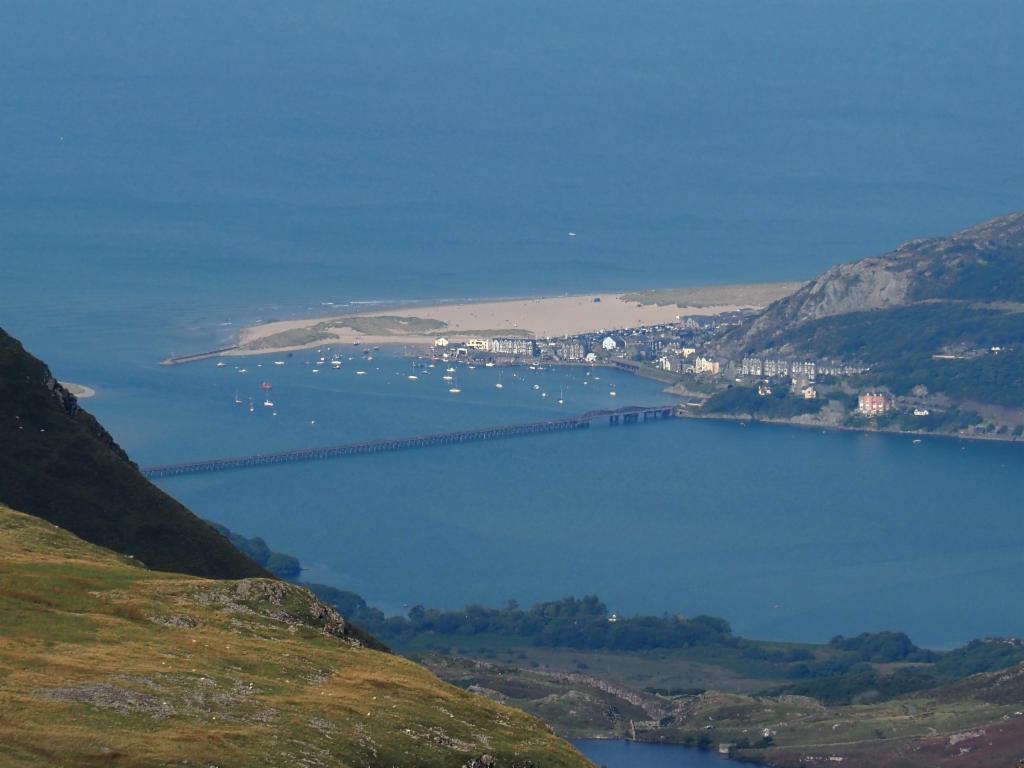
[61, 465]
[103, 662]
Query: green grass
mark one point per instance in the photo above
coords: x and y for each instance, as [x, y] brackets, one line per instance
[105, 663]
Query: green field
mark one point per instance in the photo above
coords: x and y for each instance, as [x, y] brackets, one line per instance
[103, 662]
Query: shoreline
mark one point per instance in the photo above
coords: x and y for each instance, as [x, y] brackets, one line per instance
[684, 413]
[420, 323]
[80, 391]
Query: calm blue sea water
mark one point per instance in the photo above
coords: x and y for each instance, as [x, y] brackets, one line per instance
[789, 533]
[171, 170]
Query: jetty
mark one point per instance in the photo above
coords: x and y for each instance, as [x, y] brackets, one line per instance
[184, 359]
[626, 415]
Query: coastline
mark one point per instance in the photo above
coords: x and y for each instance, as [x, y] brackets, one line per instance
[80, 391]
[536, 317]
[684, 413]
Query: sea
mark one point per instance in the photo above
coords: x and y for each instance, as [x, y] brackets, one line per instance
[172, 171]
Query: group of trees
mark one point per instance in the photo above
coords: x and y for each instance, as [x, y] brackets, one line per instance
[281, 565]
[579, 623]
[849, 675]
[745, 401]
[899, 343]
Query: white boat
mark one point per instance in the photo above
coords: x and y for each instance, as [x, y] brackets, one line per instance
[454, 390]
[279, 362]
[238, 400]
[221, 364]
[489, 364]
[446, 377]
[251, 407]
[412, 377]
[335, 363]
[612, 393]
[561, 396]
[316, 370]
[499, 385]
[360, 373]
[269, 403]
[536, 386]
[242, 370]
[450, 369]
[543, 394]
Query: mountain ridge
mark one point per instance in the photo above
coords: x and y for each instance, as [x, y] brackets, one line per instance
[61, 465]
[980, 264]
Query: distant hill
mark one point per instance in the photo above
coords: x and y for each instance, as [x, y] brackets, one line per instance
[104, 662]
[59, 464]
[946, 313]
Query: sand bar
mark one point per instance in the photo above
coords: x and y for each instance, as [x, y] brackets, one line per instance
[538, 318]
[80, 391]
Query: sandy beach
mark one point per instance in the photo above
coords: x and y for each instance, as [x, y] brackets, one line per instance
[537, 318]
[80, 391]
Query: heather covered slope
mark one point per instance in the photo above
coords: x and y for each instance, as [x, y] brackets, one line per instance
[946, 314]
[980, 265]
[58, 463]
[103, 662]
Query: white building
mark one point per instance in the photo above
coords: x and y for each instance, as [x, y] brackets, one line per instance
[752, 366]
[481, 345]
[707, 365]
[513, 346]
[441, 343]
[608, 343]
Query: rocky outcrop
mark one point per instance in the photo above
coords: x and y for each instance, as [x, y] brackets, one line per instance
[983, 264]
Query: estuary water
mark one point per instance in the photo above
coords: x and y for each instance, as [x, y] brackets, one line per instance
[173, 170]
[628, 754]
[789, 533]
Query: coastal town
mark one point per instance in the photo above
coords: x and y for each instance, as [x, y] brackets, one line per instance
[696, 341]
[684, 354]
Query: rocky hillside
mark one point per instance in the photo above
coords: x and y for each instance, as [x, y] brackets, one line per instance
[104, 662]
[61, 465]
[980, 265]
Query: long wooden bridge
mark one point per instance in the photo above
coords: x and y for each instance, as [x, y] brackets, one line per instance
[627, 415]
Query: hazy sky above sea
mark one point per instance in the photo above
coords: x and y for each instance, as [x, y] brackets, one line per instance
[169, 155]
